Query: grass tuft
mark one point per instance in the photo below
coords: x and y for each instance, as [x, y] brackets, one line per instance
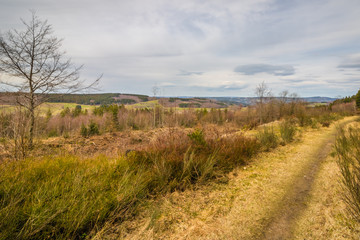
[268, 139]
[347, 148]
[287, 131]
[65, 197]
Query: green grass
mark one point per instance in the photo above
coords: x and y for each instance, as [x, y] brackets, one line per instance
[148, 104]
[317, 104]
[55, 108]
[6, 108]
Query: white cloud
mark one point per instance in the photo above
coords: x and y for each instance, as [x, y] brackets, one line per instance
[194, 46]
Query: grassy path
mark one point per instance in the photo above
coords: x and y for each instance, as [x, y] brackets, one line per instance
[289, 193]
[281, 224]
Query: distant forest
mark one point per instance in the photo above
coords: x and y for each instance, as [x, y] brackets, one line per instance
[347, 99]
[95, 99]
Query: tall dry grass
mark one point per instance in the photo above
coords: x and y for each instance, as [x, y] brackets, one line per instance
[67, 197]
[347, 148]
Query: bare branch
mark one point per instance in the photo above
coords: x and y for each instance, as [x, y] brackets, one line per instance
[34, 58]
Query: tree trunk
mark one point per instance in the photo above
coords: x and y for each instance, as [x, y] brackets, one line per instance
[31, 130]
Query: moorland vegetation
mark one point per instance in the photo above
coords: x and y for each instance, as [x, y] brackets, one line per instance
[65, 195]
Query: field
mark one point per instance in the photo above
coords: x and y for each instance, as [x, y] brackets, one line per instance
[55, 108]
[149, 171]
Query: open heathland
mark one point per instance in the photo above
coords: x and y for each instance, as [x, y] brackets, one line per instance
[98, 172]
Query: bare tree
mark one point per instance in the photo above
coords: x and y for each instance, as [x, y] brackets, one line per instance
[35, 66]
[262, 93]
[283, 99]
[294, 100]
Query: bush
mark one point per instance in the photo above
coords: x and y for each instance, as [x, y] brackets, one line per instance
[65, 112]
[326, 119]
[267, 138]
[53, 133]
[98, 111]
[184, 105]
[77, 111]
[93, 129]
[305, 120]
[235, 150]
[197, 137]
[83, 131]
[287, 131]
[347, 148]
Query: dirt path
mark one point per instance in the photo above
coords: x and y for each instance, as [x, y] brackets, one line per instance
[281, 225]
[264, 200]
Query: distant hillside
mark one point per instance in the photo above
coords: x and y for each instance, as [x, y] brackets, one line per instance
[193, 102]
[87, 99]
[319, 99]
[97, 99]
[249, 100]
[121, 98]
[129, 99]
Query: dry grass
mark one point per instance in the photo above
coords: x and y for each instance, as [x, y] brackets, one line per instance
[173, 159]
[326, 216]
[241, 208]
[67, 197]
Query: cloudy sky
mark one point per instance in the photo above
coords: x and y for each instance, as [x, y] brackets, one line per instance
[206, 48]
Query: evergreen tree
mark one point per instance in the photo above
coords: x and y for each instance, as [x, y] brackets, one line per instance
[357, 99]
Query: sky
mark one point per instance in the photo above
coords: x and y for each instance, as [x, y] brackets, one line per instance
[206, 48]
